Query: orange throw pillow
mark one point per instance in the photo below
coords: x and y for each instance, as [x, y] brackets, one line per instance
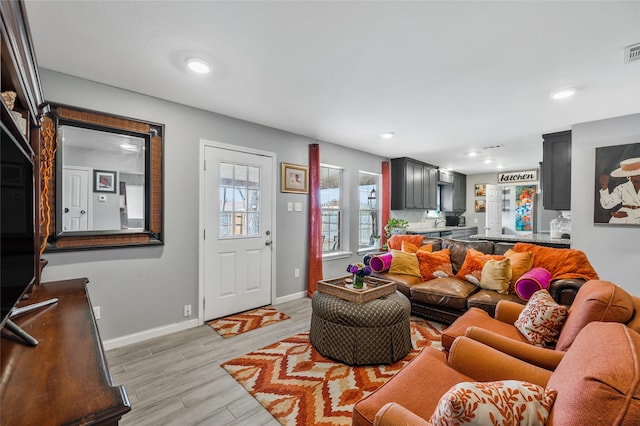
[435, 265]
[521, 262]
[395, 242]
[412, 248]
[474, 261]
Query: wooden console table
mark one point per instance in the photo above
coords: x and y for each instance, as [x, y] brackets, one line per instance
[65, 378]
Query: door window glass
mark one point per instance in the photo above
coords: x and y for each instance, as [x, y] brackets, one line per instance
[239, 200]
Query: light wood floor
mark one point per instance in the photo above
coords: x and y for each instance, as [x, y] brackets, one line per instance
[177, 379]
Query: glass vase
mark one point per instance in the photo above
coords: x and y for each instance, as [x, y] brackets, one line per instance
[358, 281]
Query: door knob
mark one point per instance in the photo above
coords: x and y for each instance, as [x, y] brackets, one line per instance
[82, 212]
[267, 243]
[66, 209]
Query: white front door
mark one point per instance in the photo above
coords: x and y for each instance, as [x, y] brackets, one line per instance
[493, 211]
[75, 199]
[237, 219]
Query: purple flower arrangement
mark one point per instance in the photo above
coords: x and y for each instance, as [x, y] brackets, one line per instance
[359, 269]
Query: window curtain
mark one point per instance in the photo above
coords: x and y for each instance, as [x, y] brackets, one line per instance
[314, 266]
[385, 205]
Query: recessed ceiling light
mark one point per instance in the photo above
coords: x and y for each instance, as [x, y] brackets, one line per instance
[499, 166]
[472, 154]
[198, 66]
[563, 94]
[387, 135]
[488, 161]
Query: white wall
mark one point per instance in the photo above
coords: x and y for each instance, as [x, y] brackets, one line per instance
[614, 251]
[145, 288]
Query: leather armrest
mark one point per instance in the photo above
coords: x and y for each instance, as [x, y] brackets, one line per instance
[486, 364]
[508, 311]
[542, 357]
[394, 414]
[564, 291]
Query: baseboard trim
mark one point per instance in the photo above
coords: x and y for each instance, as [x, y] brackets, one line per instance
[149, 334]
[290, 297]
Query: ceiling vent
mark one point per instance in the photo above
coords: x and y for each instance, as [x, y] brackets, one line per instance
[632, 53]
[493, 146]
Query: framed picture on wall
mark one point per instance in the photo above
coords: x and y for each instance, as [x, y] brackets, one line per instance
[481, 189]
[481, 206]
[294, 178]
[104, 181]
[617, 184]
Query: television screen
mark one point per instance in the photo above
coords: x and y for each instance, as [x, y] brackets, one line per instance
[17, 246]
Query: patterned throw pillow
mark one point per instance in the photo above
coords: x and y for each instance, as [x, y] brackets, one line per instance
[508, 402]
[496, 275]
[435, 265]
[412, 248]
[474, 261]
[404, 263]
[541, 319]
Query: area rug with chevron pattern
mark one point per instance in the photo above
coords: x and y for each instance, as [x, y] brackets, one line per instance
[247, 321]
[301, 387]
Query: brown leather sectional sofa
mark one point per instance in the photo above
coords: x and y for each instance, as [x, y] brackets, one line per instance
[445, 299]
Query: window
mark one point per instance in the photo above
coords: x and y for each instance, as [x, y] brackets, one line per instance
[368, 233]
[239, 200]
[331, 203]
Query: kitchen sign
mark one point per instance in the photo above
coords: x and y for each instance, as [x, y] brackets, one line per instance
[518, 177]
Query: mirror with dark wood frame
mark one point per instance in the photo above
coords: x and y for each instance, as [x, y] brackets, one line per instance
[101, 180]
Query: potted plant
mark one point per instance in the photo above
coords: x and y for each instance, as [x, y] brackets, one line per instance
[394, 226]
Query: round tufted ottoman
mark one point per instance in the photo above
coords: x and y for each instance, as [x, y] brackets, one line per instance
[375, 332]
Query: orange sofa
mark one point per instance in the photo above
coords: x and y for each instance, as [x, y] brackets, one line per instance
[597, 380]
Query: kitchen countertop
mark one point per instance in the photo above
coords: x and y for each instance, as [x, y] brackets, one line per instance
[527, 238]
[419, 228]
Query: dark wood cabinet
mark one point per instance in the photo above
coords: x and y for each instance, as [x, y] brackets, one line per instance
[556, 170]
[413, 184]
[65, 379]
[453, 197]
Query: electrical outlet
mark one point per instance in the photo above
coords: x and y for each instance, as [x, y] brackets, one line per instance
[296, 273]
[96, 312]
[187, 310]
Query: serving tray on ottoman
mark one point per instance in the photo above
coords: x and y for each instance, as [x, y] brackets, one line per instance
[376, 288]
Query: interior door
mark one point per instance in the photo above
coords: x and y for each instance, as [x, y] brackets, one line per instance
[238, 193]
[75, 199]
[493, 210]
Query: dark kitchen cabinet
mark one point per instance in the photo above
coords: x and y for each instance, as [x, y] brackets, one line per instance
[413, 184]
[453, 198]
[556, 170]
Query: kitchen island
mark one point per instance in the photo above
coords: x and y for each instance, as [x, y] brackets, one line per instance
[429, 231]
[541, 239]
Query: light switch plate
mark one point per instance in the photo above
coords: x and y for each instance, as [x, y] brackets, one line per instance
[289, 206]
[298, 207]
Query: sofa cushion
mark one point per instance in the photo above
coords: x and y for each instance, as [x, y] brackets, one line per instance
[541, 319]
[395, 241]
[475, 317]
[403, 282]
[449, 292]
[488, 299]
[599, 378]
[459, 249]
[404, 263]
[434, 265]
[596, 301]
[474, 260]
[500, 402]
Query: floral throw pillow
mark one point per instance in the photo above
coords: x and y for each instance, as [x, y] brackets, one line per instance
[541, 319]
[509, 402]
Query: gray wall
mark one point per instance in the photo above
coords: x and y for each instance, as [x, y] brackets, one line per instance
[614, 251]
[140, 289]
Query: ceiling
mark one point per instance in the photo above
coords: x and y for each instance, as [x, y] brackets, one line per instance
[447, 77]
